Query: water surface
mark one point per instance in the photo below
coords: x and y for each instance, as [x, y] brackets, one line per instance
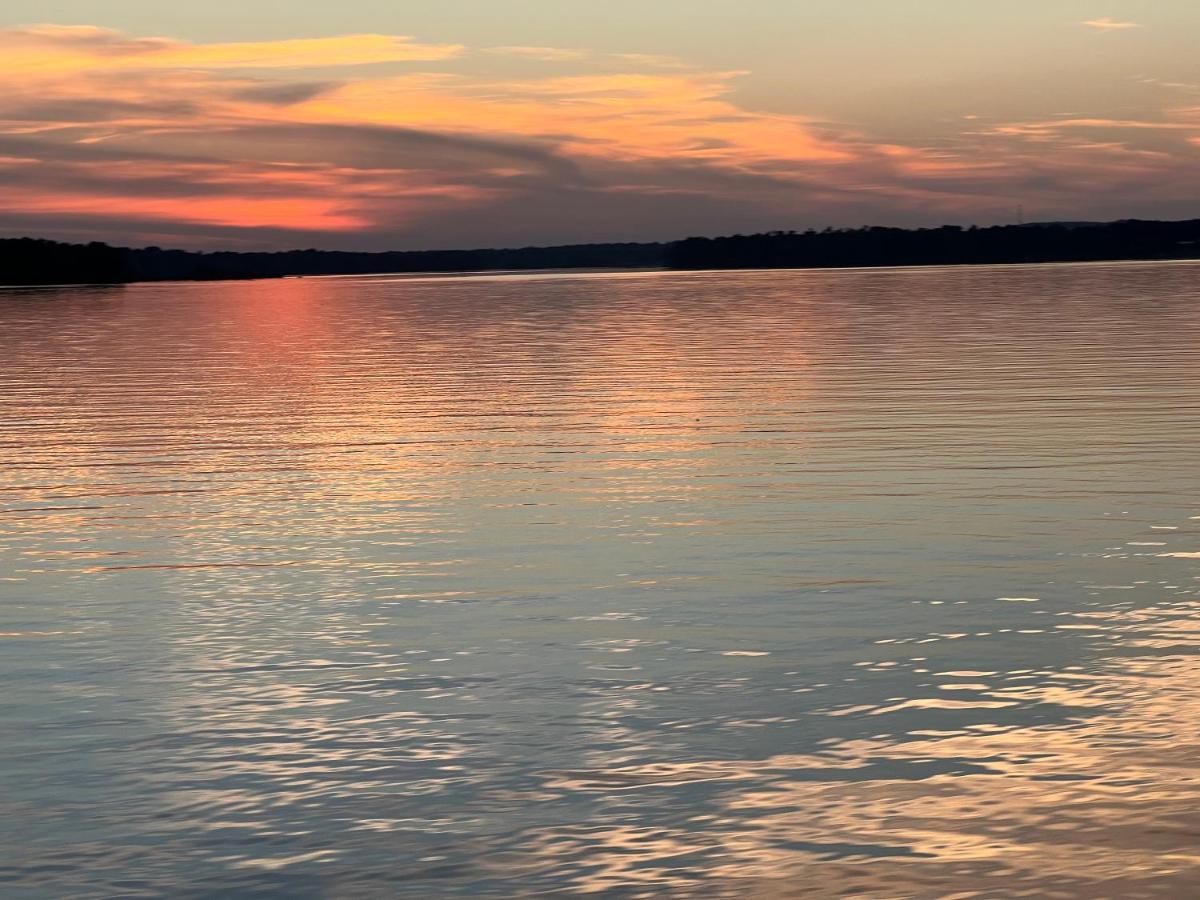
[867, 583]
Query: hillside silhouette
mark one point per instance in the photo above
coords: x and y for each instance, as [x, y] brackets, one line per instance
[27, 261]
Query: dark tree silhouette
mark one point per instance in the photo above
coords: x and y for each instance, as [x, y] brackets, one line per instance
[948, 245]
[32, 261]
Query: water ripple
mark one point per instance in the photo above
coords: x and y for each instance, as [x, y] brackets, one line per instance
[769, 584]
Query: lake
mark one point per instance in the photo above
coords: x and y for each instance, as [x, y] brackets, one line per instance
[877, 583]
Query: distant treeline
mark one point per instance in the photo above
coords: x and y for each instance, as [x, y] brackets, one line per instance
[32, 261]
[948, 245]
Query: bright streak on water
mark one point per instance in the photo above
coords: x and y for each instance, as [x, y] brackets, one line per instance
[876, 583]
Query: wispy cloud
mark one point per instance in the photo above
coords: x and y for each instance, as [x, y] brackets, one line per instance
[65, 48]
[1109, 24]
[653, 60]
[541, 54]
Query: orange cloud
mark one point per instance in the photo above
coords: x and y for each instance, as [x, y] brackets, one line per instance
[1109, 24]
[228, 210]
[62, 49]
[440, 138]
[675, 116]
[99, 129]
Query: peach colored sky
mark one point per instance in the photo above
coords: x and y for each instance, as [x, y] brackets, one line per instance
[431, 127]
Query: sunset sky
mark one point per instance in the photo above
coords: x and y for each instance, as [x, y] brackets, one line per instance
[406, 124]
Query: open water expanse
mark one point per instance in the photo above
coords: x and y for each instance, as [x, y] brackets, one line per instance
[880, 584]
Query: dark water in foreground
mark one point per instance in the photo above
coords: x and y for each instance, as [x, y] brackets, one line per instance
[805, 584]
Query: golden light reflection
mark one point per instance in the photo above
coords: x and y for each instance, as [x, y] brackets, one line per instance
[1097, 807]
[360, 578]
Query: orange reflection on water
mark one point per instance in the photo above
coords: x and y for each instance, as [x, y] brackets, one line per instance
[1102, 806]
[718, 584]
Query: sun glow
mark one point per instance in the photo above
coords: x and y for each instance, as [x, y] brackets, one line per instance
[384, 135]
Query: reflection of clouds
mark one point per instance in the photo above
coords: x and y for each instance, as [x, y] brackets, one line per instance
[715, 583]
[1091, 807]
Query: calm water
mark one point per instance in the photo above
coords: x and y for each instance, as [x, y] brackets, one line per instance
[880, 584]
